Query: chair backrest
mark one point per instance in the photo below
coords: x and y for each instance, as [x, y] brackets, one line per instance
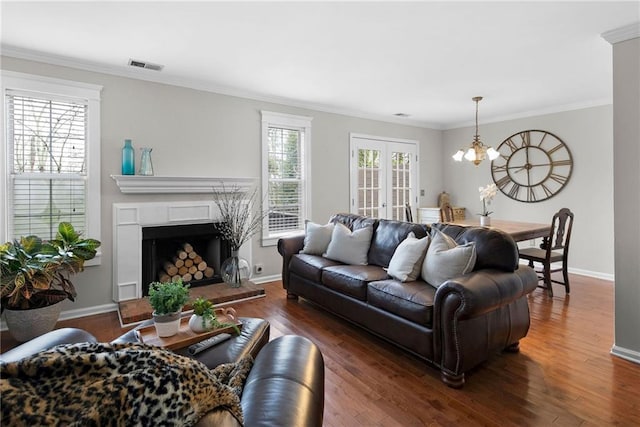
[407, 212]
[560, 236]
[446, 213]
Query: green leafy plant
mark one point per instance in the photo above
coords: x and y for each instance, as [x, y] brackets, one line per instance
[35, 273]
[168, 297]
[203, 307]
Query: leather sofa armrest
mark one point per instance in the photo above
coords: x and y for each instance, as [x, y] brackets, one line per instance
[287, 247]
[286, 385]
[47, 341]
[482, 291]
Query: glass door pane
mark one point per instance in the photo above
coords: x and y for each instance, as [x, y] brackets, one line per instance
[369, 182]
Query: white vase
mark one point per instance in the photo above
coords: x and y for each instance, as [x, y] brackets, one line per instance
[485, 220]
[200, 324]
[27, 324]
[167, 325]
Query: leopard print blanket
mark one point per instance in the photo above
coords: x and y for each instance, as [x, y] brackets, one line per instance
[118, 385]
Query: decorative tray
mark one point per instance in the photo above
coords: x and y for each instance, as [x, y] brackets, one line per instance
[185, 335]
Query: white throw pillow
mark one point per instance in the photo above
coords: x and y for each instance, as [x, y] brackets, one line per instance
[446, 260]
[349, 247]
[406, 261]
[316, 238]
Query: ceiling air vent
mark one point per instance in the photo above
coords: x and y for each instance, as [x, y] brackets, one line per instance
[147, 65]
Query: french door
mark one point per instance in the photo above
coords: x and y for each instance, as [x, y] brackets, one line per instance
[384, 176]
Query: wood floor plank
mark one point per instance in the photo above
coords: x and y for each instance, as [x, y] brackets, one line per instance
[564, 374]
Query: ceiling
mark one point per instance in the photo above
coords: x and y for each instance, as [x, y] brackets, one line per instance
[368, 59]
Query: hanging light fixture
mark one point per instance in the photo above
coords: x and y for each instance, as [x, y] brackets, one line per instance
[478, 151]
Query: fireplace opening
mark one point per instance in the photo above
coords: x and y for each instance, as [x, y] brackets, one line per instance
[193, 252]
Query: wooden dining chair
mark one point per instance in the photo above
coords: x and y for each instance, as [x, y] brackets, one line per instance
[554, 249]
[407, 212]
[446, 213]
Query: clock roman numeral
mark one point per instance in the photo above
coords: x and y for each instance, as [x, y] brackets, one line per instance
[561, 163]
[544, 135]
[512, 145]
[498, 169]
[546, 190]
[514, 190]
[526, 138]
[531, 194]
[554, 149]
[502, 182]
[558, 178]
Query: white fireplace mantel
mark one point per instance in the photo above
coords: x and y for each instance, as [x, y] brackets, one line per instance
[128, 221]
[141, 184]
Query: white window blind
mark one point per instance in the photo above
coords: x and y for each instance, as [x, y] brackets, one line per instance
[50, 156]
[47, 149]
[285, 173]
[285, 179]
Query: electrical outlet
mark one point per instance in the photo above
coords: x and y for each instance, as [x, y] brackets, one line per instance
[258, 268]
[422, 193]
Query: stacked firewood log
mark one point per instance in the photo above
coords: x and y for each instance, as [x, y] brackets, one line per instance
[186, 265]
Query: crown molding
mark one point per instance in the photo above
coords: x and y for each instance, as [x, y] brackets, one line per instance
[533, 113]
[617, 35]
[154, 76]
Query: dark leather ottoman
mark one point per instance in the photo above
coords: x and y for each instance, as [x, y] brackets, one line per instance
[253, 336]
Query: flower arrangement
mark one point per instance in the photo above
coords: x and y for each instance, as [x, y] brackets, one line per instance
[486, 196]
[240, 213]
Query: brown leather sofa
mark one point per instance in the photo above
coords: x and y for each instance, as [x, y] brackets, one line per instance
[455, 328]
[284, 388]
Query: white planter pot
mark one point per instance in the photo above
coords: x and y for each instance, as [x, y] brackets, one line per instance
[199, 324]
[28, 324]
[167, 325]
[485, 221]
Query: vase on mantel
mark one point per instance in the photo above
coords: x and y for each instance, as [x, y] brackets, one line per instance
[485, 220]
[235, 270]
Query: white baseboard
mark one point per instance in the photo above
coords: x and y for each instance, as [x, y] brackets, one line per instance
[265, 279]
[79, 312]
[595, 274]
[625, 353]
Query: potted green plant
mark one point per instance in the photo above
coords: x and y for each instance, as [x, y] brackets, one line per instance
[203, 317]
[167, 300]
[35, 279]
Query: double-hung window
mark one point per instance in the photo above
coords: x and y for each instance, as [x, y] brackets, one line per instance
[50, 156]
[285, 173]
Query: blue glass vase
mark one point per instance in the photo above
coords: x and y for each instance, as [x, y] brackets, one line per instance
[128, 158]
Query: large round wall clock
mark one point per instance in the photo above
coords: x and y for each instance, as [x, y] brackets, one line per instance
[533, 166]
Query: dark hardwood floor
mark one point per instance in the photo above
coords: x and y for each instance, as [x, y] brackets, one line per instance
[564, 374]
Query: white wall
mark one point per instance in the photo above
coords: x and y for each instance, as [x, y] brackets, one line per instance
[589, 193]
[626, 104]
[197, 133]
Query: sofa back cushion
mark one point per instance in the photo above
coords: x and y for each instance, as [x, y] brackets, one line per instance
[354, 222]
[388, 235]
[494, 248]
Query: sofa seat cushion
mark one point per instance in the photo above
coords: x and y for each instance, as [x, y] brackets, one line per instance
[310, 266]
[410, 300]
[352, 279]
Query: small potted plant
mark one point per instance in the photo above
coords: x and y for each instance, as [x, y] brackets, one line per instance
[167, 300]
[35, 277]
[203, 318]
[486, 196]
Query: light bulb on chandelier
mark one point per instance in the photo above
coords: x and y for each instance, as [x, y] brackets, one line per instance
[478, 151]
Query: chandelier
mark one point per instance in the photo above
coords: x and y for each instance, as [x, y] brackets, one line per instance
[478, 151]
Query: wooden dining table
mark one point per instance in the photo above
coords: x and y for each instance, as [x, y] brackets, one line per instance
[518, 230]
